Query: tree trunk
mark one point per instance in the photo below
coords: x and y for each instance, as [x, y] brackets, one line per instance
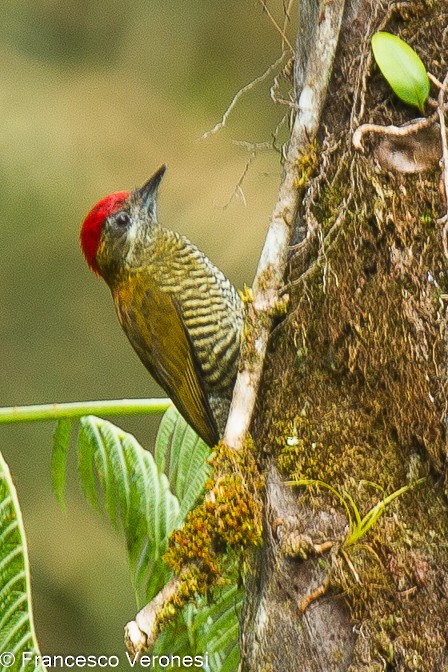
[354, 392]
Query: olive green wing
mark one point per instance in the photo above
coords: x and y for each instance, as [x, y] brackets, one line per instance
[159, 336]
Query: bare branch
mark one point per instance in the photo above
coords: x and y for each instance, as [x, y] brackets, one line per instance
[273, 259]
[254, 146]
[434, 80]
[287, 70]
[141, 633]
[287, 11]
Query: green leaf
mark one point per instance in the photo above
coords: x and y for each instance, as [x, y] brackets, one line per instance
[217, 626]
[118, 474]
[61, 438]
[17, 634]
[183, 456]
[402, 67]
[207, 627]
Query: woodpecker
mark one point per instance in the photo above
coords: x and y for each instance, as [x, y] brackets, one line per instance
[180, 313]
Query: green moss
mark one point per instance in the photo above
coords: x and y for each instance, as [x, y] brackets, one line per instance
[306, 165]
[228, 521]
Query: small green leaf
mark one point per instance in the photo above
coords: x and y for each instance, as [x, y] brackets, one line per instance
[402, 67]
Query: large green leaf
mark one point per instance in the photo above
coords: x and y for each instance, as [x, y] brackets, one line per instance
[209, 626]
[118, 473]
[183, 457]
[209, 629]
[17, 636]
[402, 67]
[123, 478]
[216, 626]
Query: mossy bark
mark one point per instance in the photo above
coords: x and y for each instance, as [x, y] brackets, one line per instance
[354, 393]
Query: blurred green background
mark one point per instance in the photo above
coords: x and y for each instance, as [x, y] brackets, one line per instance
[94, 96]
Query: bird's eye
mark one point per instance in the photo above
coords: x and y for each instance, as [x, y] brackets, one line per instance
[122, 219]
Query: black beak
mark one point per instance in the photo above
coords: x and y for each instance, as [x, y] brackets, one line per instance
[148, 192]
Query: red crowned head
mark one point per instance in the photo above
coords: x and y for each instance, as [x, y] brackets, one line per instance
[106, 231]
[93, 225]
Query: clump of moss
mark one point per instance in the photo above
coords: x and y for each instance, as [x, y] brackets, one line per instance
[228, 521]
[395, 585]
[306, 165]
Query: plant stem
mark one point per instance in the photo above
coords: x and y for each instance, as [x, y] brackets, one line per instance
[76, 409]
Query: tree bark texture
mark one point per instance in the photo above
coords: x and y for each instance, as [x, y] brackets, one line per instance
[354, 392]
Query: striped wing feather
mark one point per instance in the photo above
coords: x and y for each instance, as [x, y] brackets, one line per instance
[157, 333]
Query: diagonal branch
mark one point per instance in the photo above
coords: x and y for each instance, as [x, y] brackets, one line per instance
[140, 634]
[271, 268]
[318, 38]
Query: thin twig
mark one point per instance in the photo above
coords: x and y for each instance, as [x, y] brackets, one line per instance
[240, 93]
[254, 146]
[238, 191]
[287, 12]
[276, 87]
[434, 80]
[263, 146]
[141, 633]
[76, 409]
[276, 26]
